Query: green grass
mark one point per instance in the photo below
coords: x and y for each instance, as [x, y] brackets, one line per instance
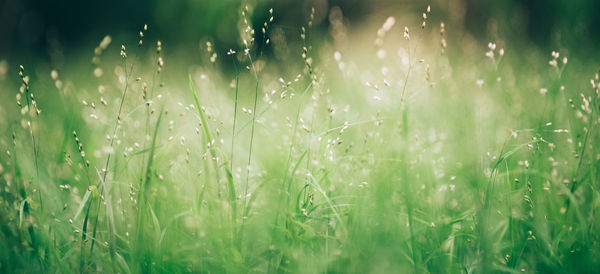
[427, 158]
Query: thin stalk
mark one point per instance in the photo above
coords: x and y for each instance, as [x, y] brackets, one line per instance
[146, 181]
[407, 190]
[213, 153]
[28, 97]
[112, 140]
[235, 107]
[252, 129]
[149, 97]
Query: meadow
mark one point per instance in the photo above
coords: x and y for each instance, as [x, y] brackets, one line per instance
[404, 146]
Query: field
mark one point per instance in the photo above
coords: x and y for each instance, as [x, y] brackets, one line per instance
[401, 146]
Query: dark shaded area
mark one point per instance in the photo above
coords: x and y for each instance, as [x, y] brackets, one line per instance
[549, 24]
[35, 25]
[38, 26]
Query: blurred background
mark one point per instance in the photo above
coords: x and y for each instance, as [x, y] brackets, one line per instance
[48, 29]
[461, 105]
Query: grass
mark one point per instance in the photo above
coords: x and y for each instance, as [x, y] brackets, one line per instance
[398, 157]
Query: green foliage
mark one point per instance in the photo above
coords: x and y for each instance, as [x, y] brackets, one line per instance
[433, 159]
